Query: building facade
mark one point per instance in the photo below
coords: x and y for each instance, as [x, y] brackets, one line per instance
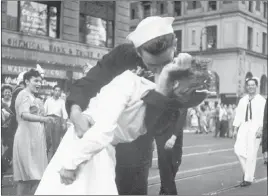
[232, 33]
[64, 37]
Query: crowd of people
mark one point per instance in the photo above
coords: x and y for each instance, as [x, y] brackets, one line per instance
[211, 117]
[116, 112]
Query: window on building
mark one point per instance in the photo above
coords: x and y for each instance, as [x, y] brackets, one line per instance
[250, 6]
[227, 2]
[96, 26]
[212, 5]
[12, 15]
[243, 1]
[193, 37]
[178, 34]
[162, 10]
[248, 75]
[211, 32]
[265, 9]
[264, 43]
[263, 85]
[192, 5]
[146, 10]
[177, 8]
[250, 38]
[258, 5]
[36, 18]
[133, 14]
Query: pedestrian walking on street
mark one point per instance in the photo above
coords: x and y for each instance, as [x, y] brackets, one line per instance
[230, 118]
[194, 120]
[248, 124]
[217, 119]
[223, 121]
[212, 119]
[55, 107]
[203, 120]
[29, 151]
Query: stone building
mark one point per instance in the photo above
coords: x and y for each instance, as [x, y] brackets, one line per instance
[61, 36]
[232, 33]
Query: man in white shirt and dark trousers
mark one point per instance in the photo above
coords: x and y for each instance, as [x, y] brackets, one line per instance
[55, 106]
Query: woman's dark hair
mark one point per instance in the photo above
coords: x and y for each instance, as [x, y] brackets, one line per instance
[29, 74]
[6, 86]
[158, 45]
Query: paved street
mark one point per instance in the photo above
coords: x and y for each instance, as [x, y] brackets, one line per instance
[209, 167]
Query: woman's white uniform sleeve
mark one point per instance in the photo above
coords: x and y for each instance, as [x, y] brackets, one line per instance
[105, 109]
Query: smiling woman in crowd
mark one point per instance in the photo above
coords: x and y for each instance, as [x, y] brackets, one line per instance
[29, 151]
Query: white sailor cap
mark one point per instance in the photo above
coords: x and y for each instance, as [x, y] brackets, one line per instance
[255, 79]
[150, 28]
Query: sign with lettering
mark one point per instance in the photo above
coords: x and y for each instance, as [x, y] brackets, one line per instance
[49, 73]
[45, 44]
[15, 70]
[14, 81]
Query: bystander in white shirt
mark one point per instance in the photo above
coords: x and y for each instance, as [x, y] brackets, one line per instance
[55, 107]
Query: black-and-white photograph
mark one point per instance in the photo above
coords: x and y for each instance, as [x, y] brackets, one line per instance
[134, 97]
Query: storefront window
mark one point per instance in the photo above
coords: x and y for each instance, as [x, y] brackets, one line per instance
[96, 31]
[97, 27]
[12, 15]
[36, 18]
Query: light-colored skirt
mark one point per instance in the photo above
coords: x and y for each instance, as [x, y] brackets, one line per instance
[95, 177]
[29, 151]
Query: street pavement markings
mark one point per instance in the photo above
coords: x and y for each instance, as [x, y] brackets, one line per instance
[198, 146]
[203, 168]
[233, 187]
[226, 189]
[202, 153]
[194, 176]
